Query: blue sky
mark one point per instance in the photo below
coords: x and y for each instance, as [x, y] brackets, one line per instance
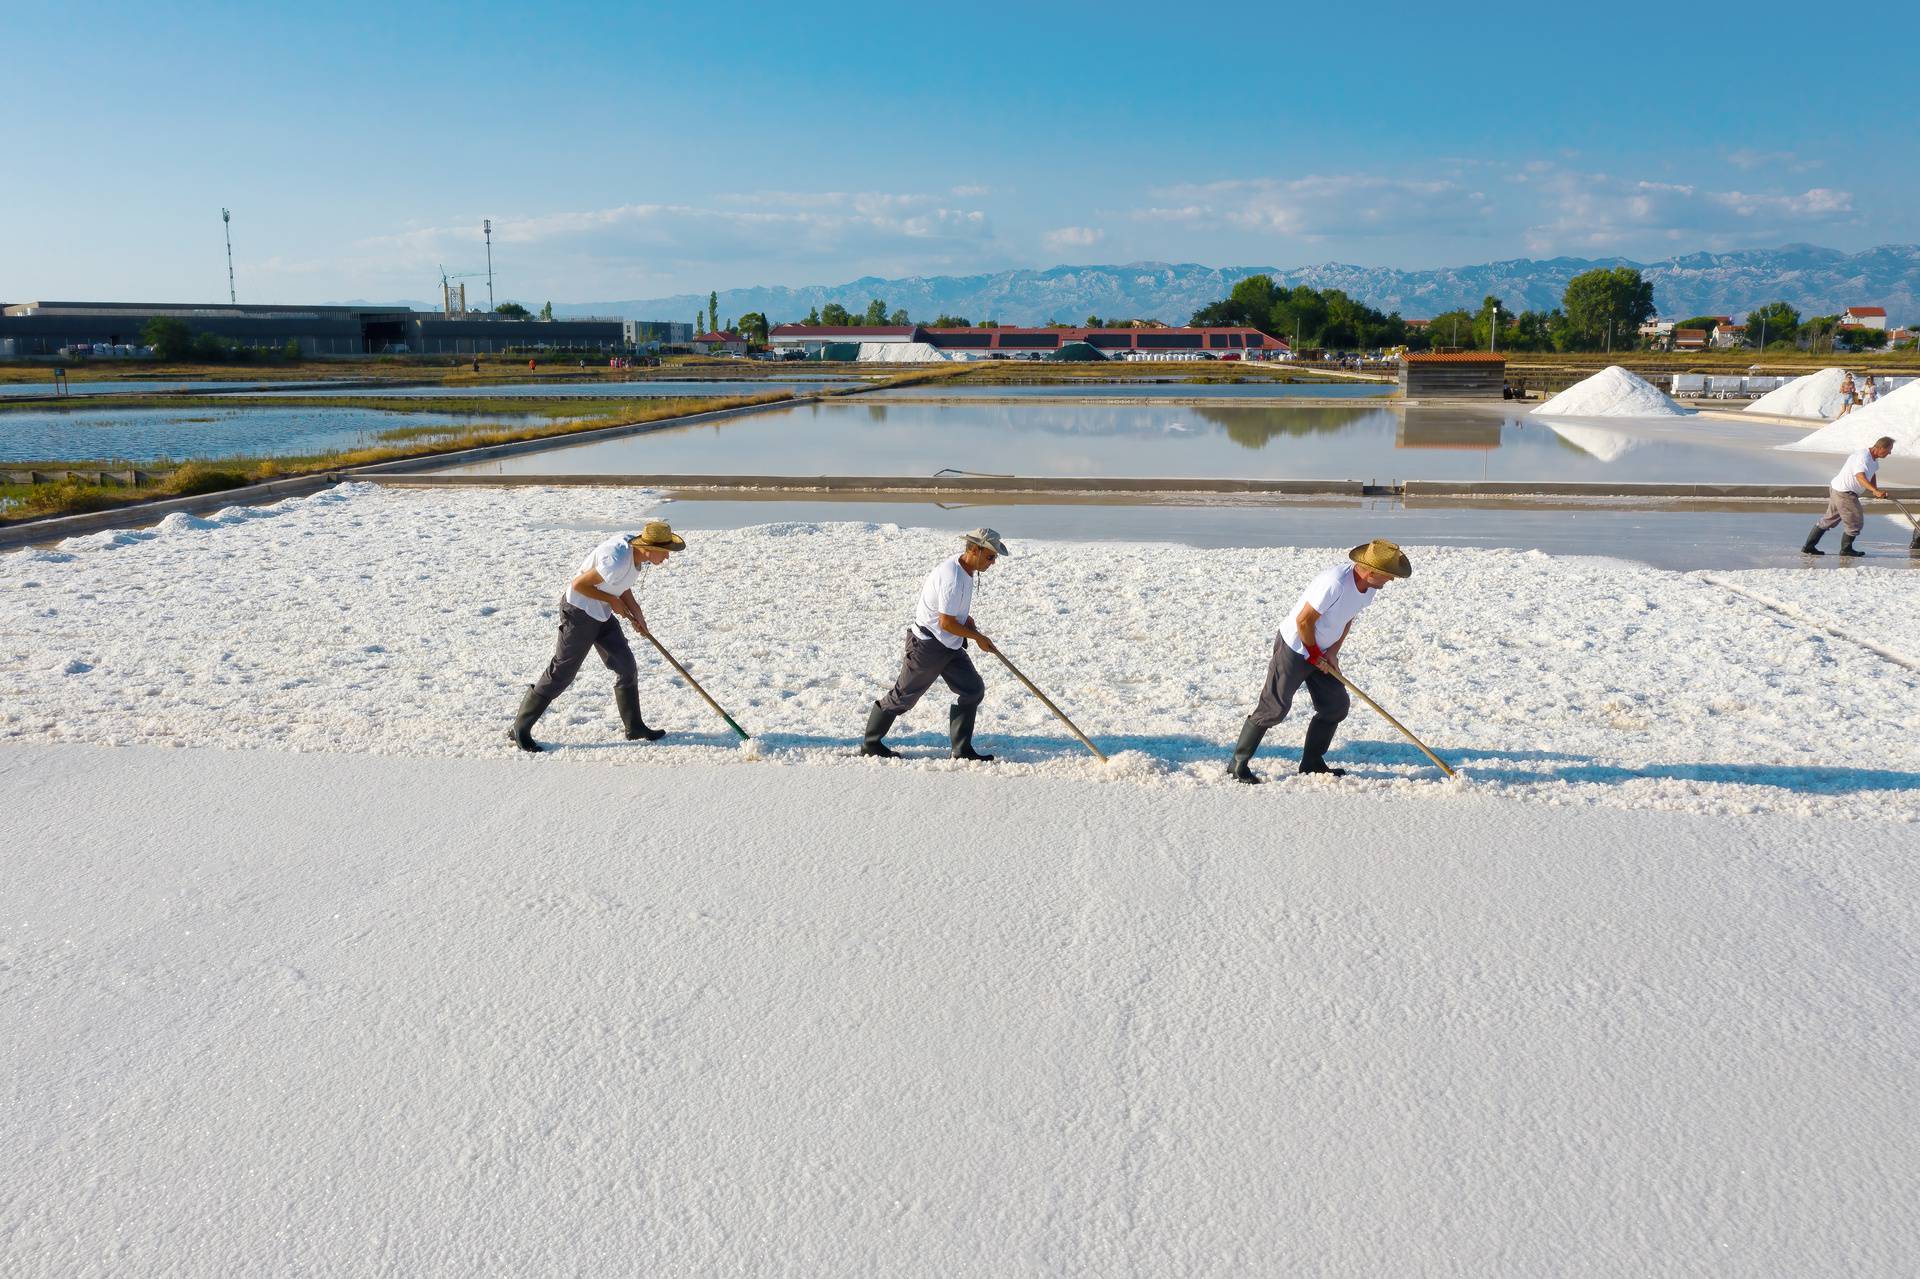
[631, 151]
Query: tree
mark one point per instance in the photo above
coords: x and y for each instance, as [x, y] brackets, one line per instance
[512, 311]
[170, 339]
[836, 316]
[1605, 303]
[1483, 323]
[546, 312]
[876, 313]
[1774, 322]
[1817, 332]
[1862, 338]
[1706, 322]
[813, 317]
[946, 321]
[753, 327]
[1451, 328]
[713, 312]
[899, 318]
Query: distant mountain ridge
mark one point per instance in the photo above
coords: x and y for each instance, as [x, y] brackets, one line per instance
[1816, 280]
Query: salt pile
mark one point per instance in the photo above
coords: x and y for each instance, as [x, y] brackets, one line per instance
[1897, 415]
[901, 353]
[1815, 395]
[1612, 392]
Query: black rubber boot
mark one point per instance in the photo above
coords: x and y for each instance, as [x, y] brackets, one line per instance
[1813, 542]
[878, 722]
[532, 707]
[628, 700]
[1250, 735]
[960, 729]
[1846, 547]
[1313, 755]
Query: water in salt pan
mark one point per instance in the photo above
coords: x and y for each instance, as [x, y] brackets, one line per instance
[1612, 392]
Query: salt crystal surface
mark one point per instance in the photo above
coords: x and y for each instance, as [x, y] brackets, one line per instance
[1612, 392]
[1815, 395]
[1897, 416]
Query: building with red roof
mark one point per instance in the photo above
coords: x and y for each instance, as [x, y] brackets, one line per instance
[985, 343]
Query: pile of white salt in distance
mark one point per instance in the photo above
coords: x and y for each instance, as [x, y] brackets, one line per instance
[1612, 392]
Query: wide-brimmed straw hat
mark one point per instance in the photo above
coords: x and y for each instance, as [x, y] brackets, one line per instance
[1383, 557]
[658, 536]
[989, 539]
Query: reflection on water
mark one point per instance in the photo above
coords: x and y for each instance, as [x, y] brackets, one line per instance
[1144, 390]
[179, 434]
[584, 390]
[1368, 442]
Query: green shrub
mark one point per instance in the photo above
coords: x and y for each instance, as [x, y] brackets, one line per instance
[199, 477]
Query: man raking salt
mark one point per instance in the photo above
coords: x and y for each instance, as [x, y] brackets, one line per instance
[597, 598]
[1856, 478]
[937, 649]
[1307, 651]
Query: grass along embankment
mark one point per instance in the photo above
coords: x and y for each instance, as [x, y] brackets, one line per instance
[69, 497]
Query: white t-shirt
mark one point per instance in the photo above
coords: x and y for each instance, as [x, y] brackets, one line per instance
[614, 561]
[1857, 461]
[948, 589]
[1337, 598]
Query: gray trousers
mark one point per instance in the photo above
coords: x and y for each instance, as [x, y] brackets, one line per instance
[1843, 508]
[1286, 671]
[580, 634]
[926, 660]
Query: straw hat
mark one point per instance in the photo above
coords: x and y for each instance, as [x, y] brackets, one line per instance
[1383, 557]
[989, 539]
[658, 536]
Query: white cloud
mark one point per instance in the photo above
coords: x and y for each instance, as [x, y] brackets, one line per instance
[1599, 212]
[1074, 237]
[969, 192]
[839, 230]
[1321, 206]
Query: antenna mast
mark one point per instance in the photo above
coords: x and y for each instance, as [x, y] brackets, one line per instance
[486, 225]
[226, 222]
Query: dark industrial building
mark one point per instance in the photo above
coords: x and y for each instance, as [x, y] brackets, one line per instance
[43, 328]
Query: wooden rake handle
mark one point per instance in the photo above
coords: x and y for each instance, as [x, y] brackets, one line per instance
[1355, 690]
[694, 684]
[1048, 703]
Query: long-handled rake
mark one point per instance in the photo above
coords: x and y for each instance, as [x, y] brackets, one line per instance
[694, 684]
[1048, 703]
[1354, 688]
[1913, 546]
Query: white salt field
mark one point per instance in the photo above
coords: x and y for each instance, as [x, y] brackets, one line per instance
[178, 434]
[1367, 443]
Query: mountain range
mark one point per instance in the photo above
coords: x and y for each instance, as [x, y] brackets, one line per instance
[1816, 280]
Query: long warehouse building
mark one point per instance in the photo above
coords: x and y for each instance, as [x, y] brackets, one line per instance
[44, 328]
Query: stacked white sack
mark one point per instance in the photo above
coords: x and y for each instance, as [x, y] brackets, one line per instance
[1898, 416]
[1816, 395]
[1612, 392]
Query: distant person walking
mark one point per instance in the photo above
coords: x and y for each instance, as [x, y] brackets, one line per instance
[598, 596]
[937, 649]
[1849, 396]
[1869, 392]
[1856, 477]
[1308, 648]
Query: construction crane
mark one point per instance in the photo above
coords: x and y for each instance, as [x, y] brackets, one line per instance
[446, 290]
